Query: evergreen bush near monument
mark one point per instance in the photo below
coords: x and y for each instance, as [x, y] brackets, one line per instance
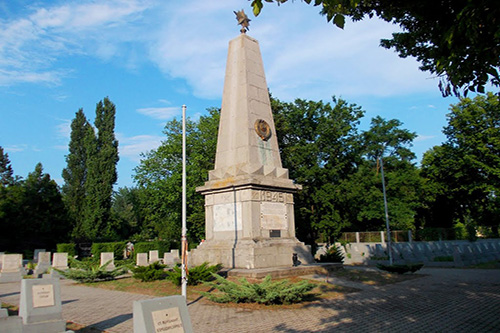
[267, 292]
[196, 274]
[153, 272]
[91, 272]
[69, 248]
[333, 254]
[400, 269]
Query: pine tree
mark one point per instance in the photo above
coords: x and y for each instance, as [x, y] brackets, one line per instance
[6, 172]
[102, 157]
[75, 174]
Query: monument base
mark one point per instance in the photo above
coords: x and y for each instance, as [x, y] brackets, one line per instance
[251, 254]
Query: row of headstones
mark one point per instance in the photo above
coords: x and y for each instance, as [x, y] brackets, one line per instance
[40, 310]
[12, 268]
[464, 253]
[143, 259]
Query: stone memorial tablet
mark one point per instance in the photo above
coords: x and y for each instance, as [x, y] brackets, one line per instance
[153, 256]
[273, 216]
[60, 260]
[11, 262]
[44, 258]
[225, 218]
[167, 320]
[108, 257]
[162, 315]
[142, 259]
[43, 295]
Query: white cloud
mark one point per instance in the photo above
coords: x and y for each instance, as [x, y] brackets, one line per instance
[64, 128]
[132, 147]
[16, 148]
[164, 113]
[421, 138]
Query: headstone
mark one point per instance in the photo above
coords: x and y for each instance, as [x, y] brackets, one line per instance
[12, 324]
[43, 263]
[108, 257]
[60, 260]
[249, 206]
[166, 314]
[142, 259]
[153, 256]
[40, 306]
[36, 253]
[11, 268]
[171, 258]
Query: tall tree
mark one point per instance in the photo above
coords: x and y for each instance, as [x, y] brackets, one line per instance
[465, 171]
[459, 40]
[319, 144]
[75, 173]
[6, 172]
[102, 157]
[159, 176]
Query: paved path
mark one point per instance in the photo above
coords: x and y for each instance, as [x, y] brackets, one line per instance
[446, 300]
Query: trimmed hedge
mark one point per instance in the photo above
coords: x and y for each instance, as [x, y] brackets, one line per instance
[116, 247]
[144, 247]
[69, 248]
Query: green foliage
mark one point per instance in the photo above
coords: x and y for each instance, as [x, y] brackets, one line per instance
[457, 41]
[69, 248]
[159, 177]
[153, 272]
[400, 269]
[163, 246]
[85, 272]
[333, 254]
[6, 171]
[116, 247]
[443, 259]
[196, 274]
[267, 292]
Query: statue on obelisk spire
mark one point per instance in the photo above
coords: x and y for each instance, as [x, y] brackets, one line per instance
[243, 20]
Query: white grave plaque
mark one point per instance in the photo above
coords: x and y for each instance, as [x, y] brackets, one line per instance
[153, 256]
[11, 262]
[44, 257]
[43, 295]
[60, 259]
[167, 320]
[273, 216]
[142, 259]
[224, 217]
[107, 256]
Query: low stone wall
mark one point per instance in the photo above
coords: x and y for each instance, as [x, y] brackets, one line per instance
[458, 253]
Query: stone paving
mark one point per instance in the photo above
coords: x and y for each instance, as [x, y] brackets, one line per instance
[445, 300]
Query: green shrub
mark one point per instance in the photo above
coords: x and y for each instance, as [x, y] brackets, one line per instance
[196, 274]
[69, 248]
[153, 272]
[116, 247]
[333, 254]
[400, 269]
[91, 272]
[267, 292]
[144, 247]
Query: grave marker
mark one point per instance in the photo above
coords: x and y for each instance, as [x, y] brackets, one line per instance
[162, 315]
[108, 257]
[142, 259]
[153, 256]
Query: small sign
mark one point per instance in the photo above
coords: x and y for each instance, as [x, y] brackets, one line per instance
[167, 320]
[43, 295]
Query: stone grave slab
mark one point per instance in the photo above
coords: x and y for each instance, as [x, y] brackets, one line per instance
[40, 306]
[166, 314]
[172, 257]
[11, 268]
[43, 263]
[108, 257]
[36, 253]
[153, 256]
[142, 259]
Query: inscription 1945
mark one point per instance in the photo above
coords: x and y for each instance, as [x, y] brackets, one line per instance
[269, 196]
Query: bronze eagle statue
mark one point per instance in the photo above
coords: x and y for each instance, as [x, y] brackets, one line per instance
[243, 20]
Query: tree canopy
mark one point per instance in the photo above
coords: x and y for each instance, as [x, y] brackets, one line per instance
[456, 40]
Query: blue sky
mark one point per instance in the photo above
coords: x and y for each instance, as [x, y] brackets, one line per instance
[151, 56]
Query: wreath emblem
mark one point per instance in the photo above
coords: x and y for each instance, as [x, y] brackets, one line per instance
[262, 129]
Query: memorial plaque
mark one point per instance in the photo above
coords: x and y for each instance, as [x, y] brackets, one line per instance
[142, 259]
[60, 260]
[44, 257]
[11, 262]
[167, 320]
[43, 295]
[273, 216]
[225, 217]
[107, 256]
[153, 256]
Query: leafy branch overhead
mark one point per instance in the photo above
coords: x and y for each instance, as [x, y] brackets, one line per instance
[457, 41]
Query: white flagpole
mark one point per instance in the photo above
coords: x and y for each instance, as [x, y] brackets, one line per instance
[184, 239]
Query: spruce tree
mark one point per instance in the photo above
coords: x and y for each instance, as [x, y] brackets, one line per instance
[102, 157]
[6, 172]
[75, 174]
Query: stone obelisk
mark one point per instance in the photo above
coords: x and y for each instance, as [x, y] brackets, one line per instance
[249, 212]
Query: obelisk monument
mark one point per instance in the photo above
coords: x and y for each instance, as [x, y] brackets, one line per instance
[249, 216]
